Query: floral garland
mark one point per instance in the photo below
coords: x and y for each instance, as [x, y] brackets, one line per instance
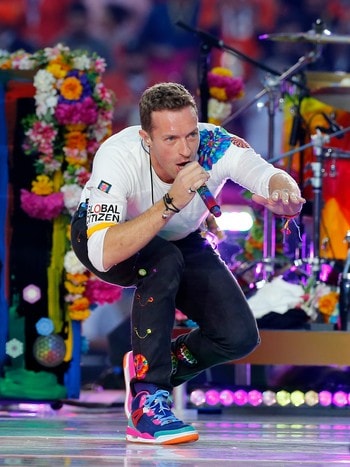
[224, 88]
[73, 116]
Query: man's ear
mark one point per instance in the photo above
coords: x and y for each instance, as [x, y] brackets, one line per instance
[145, 136]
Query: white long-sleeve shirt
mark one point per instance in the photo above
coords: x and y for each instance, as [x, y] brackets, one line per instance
[123, 183]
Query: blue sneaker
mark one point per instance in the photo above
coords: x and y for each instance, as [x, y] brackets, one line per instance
[153, 422]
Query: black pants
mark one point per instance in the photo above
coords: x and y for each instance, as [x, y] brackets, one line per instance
[189, 275]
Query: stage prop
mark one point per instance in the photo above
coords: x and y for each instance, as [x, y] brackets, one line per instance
[55, 112]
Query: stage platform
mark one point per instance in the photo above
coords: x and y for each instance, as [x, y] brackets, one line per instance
[91, 432]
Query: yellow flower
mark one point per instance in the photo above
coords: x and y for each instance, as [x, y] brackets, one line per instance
[327, 303]
[77, 278]
[75, 140]
[79, 305]
[71, 88]
[76, 127]
[58, 70]
[42, 185]
[218, 93]
[79, 315]
[74, 289]
[219, 70]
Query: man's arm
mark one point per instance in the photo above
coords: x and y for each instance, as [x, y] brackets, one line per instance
[285, 198]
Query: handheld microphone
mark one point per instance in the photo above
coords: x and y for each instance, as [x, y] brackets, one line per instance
[209, 200]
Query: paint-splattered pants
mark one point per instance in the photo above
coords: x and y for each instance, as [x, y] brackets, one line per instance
[189, 275]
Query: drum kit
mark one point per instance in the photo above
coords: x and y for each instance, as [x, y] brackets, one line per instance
[330, 89]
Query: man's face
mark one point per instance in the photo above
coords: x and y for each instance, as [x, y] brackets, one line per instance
[173, 142]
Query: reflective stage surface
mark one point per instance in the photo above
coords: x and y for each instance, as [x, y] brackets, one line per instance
[92, 434]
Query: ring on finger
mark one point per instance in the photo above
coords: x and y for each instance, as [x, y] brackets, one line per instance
[190, 190]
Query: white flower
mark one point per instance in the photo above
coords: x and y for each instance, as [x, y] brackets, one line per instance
[82, 62]
[218, 110]
[71, 197]
[72, 264]
[44, 81]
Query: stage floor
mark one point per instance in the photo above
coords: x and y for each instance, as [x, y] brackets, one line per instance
[93, 435]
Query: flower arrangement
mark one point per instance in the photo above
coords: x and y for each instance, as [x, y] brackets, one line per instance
[73, 116]
[224, 88]
[321, 301]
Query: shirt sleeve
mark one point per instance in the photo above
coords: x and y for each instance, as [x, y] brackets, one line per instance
[247, 168]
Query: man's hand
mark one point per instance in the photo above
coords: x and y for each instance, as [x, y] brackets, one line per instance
[285, 198]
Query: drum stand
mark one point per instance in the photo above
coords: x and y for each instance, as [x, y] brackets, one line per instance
[318, 141]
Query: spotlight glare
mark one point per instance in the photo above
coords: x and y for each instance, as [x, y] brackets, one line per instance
[240, 397]
[197, 397]
[235, 221]
[226, 397]
[283, 398]
[255, 398]
[297, 398]
[340, 399]
[269, 398]
[212, 397]
[325, 398]
[311, 398]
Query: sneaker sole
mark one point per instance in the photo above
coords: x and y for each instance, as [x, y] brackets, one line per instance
[137, 437]
[129, 373]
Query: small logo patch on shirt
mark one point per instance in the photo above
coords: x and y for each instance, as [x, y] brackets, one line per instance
[104, 186]
[239, 142]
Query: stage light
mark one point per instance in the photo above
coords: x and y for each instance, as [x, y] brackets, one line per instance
[297, 398]
[269, 398]
[325, 398]
[197, 397]
[212, 397]
[235, 218]
[283, 398]
[255, 398]
[311, 398]
[31, 293]
[226, 397]
[340, 399]
[240, 397]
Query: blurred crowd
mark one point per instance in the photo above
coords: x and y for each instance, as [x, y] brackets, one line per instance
[144, 41]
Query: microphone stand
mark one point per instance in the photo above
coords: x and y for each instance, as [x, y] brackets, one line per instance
[208, 41]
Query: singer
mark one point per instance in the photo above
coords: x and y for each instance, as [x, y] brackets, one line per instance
[139, 225]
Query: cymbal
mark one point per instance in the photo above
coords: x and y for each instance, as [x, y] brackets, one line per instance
[324, 79]
[330, 88]
[337, 97]
[311, 36]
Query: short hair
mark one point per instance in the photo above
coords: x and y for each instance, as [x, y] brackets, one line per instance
[163, 96]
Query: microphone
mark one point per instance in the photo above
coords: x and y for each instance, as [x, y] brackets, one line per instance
[209, 200]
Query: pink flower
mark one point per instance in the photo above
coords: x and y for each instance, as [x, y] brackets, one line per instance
[101, 292]
[42, 207]
[85, 111]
